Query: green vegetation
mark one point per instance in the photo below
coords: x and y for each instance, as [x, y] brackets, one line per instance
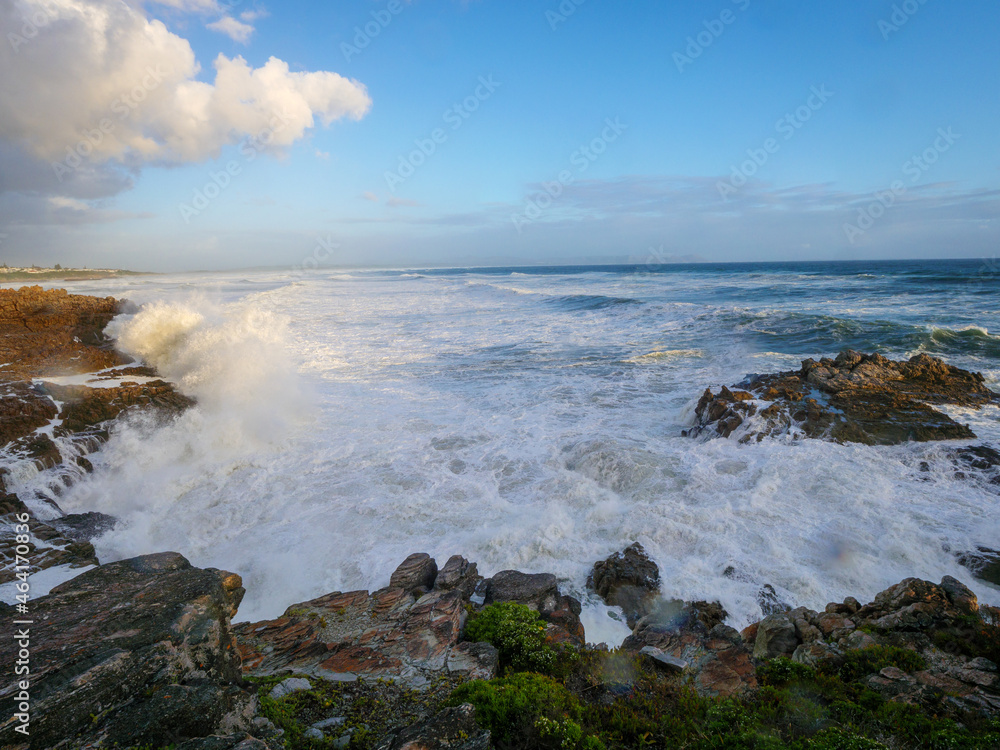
[518, 633]
[876, 658]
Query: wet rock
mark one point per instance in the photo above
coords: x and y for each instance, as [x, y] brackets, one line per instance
[85, 408]
[49, 548]
[984, 564]
[776, 636]
[458, 573]
[863, 398]
[83, 527]
[769, 601]
[137, 652]
[452, 728]
[417, 571]
[627, 579]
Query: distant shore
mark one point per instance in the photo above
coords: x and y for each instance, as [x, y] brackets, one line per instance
[64, 274]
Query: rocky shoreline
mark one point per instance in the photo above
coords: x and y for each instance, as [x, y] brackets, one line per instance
[143, 653]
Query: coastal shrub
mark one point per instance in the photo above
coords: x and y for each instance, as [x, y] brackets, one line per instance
[835, 738]
[782, 670]
[869, 660]
[511, 707]
[518, 633]
[564, 735]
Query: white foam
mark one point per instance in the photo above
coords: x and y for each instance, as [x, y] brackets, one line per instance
[456, 419]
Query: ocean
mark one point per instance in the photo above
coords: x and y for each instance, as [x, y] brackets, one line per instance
[532, 418]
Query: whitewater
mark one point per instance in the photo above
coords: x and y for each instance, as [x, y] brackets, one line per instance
[532, 418]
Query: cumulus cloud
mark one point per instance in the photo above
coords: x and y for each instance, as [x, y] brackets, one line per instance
[100, 80]
[235, 30]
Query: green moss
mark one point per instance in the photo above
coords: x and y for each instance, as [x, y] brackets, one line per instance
[518, 633]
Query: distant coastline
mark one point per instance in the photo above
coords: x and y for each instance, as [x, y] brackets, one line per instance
[63, 274]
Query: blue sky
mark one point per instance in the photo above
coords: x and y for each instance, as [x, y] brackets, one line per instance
[693, 91]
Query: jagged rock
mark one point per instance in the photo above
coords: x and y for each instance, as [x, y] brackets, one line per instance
[984, 564]
[769, 601]
[417, 571]
[716, 654]
[85, 408]
[137, 652]
[409, 636]
[458, 573]
[540, 591]
[627, 579]
[776, 636]
[913, 604]
[49, 548]
[83, 527]
[22, 410]
[452, 728]
[854, 398]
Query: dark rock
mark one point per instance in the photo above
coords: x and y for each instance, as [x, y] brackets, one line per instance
[662, 660]
[458, 573]
[984, 564]
[855, 398]
[769, 601]
[56, 549]
[230, 742]
[417, 571]
[540, 592]
[452, 729]
[629, 580]
[83, 527]
[137, 652]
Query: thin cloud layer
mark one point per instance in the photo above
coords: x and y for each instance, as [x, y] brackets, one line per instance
[100, 80]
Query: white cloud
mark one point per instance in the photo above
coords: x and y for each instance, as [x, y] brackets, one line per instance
[235, 30]
[59, 201]
[252, 15]
[103, 81]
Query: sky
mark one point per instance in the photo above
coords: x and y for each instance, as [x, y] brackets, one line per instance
[217, 134]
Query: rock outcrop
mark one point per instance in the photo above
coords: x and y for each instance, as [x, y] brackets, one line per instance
[137, 652]
[861, 398]
[627, 579]
[403, 632]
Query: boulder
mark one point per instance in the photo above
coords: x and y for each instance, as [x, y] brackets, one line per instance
[137, 652]
[417, 571]
[627, 579]
[776, 636]
[458, 574]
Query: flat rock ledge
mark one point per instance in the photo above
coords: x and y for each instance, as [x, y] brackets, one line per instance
[857, 398]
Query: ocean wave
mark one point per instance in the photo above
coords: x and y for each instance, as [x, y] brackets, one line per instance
[591, 301]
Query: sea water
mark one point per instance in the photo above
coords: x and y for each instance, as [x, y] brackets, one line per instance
[532, 418]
